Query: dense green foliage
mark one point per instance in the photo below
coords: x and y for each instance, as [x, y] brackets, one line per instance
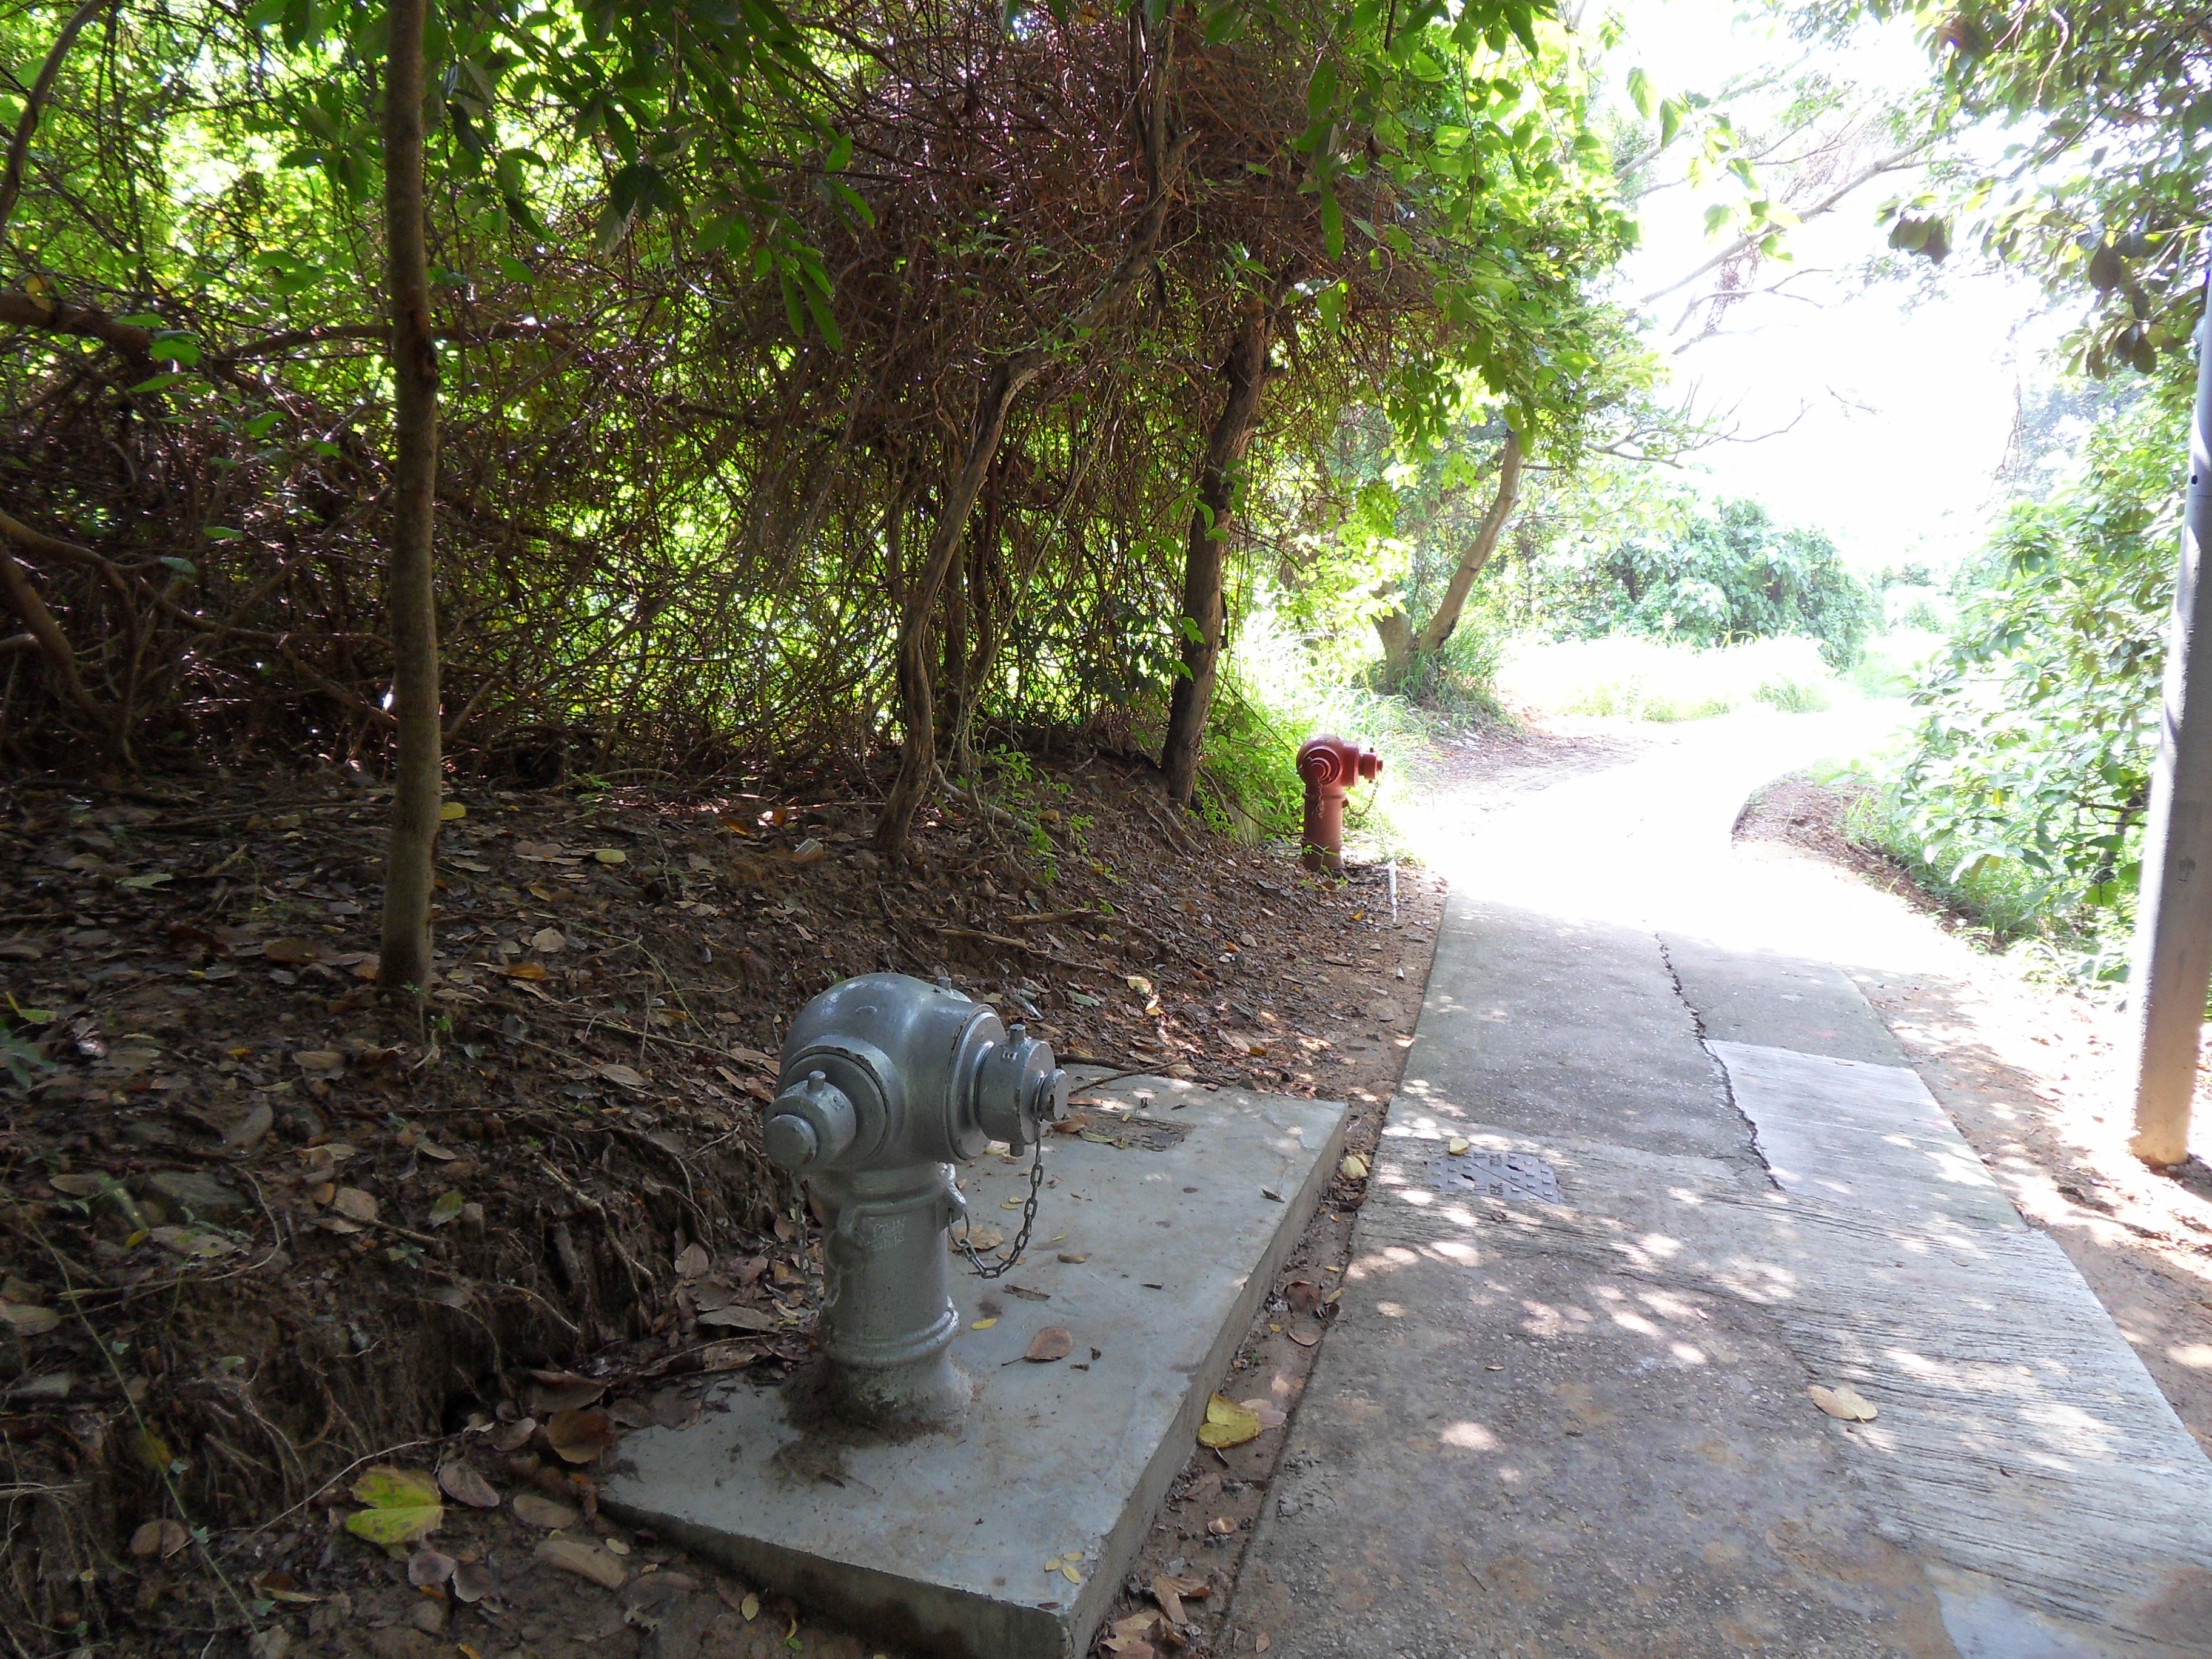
[2025, 786]
[1718, 575]
[719, 296]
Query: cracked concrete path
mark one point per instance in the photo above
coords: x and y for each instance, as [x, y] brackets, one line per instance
[1583, 1427]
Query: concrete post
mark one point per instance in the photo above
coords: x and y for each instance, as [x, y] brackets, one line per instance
[2173, 918]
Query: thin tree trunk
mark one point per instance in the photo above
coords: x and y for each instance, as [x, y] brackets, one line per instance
[405, 962]
[61, 658]
[1477, 552]
[917, 701]
[1245, 369]
[917, 705]
[1403, 646]
[969, 636]
[18, 142]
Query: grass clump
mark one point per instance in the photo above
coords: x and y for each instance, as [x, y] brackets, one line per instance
[1623, 677]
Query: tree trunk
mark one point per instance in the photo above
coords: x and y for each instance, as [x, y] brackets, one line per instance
[405, 962]
[1399, 655]
[1402, 647]
[917, 706]
[18, 142]
[1219, 476]
[971, 635]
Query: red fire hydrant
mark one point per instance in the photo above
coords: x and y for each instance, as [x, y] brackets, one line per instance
[1330, 766]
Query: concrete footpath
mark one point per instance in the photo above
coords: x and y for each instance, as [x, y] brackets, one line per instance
[1654, 1171]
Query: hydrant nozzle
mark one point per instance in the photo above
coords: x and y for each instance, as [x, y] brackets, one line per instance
[1329, 766]
[886, 1082]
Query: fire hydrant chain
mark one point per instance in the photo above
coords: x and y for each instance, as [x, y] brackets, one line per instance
[1021, 1239]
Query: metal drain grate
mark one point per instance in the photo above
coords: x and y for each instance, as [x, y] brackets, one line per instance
[1496, 1175]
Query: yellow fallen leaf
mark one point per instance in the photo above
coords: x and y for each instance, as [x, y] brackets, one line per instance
[1457, 1144]
[403, 1506]
[1227, 1424]
[748, 1609]
[452, 813]
[1070, 1574]
[982, 1324]
[1353, 1168]
[611, 855]
[385, 1487]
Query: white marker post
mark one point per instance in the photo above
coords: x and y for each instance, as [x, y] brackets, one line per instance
[2174, 917]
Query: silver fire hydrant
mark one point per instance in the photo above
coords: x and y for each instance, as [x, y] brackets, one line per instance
[886, 1082]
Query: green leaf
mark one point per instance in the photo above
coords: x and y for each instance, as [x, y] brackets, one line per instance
[447, 1206]
[1640, 93]
[1332, 224]
[1321, 91]
[402, 1506]
[184, 568]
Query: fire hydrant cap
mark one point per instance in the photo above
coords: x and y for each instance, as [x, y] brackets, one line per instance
[790, 1141]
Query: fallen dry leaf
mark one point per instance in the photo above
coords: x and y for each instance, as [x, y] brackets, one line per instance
[525, 970]
[692, 1261]
[472, 1582]
[586, 1560]
[1352, 1166]
[513, 1436]
[733, 1317]
[353, 1205]
[28, 1319]
[164, 1538]
[579, 1435]
[293, 952]
[622, 1076]
[427, 1568]
[1222, 1525]
[539, 1511]
[1845, 1402]
[465, 1486]
[548, 941]
[1457, 1144]
[1048, 1344]
[1163, 1592]
[1266, 1411]
[1303, 1295]
[560, 1391]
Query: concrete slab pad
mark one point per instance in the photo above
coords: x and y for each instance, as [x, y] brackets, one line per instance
[1777, 1001]
[1559, 1027]
[1544, 1429]
[1155, 1256]
[1867, 1136]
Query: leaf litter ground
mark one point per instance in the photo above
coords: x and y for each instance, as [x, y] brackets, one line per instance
[263, 1241]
